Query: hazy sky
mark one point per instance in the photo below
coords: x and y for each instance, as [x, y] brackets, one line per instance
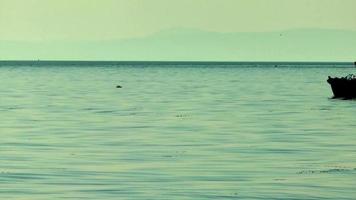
[93, 20]
[109, 19]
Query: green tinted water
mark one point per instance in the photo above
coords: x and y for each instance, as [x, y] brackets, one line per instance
[175, 132]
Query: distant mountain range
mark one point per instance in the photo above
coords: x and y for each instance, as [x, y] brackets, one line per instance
[185, 44]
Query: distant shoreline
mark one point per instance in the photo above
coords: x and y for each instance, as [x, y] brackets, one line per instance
[89, 62]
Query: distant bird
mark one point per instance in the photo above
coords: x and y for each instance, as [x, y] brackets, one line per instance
[118, 86]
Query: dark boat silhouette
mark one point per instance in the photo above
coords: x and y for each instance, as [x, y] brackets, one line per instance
[344, 87]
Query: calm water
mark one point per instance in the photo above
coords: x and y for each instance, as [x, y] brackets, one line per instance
[175, 132]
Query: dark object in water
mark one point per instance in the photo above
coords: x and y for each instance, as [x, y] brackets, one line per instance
[344, 87]
[118, 86]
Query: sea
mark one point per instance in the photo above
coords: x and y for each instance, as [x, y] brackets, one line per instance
[175, 130]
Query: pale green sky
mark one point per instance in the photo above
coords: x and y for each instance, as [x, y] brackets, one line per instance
[46, 21]
[112, 19]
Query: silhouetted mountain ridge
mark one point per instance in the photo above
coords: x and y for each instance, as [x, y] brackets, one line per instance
[191, 44]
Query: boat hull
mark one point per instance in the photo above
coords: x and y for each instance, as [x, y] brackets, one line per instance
[343, 88]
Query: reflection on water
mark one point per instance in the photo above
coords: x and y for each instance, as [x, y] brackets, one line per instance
[174, 133]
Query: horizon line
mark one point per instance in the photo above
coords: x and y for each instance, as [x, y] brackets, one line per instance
[175, 61]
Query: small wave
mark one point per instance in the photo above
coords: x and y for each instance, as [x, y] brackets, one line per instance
[328, 171]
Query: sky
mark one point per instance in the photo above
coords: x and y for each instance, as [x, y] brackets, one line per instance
[32, 23]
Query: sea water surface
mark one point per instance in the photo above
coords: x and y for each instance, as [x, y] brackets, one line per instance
[175, 131]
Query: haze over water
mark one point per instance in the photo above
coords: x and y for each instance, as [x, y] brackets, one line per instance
[175, 131]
